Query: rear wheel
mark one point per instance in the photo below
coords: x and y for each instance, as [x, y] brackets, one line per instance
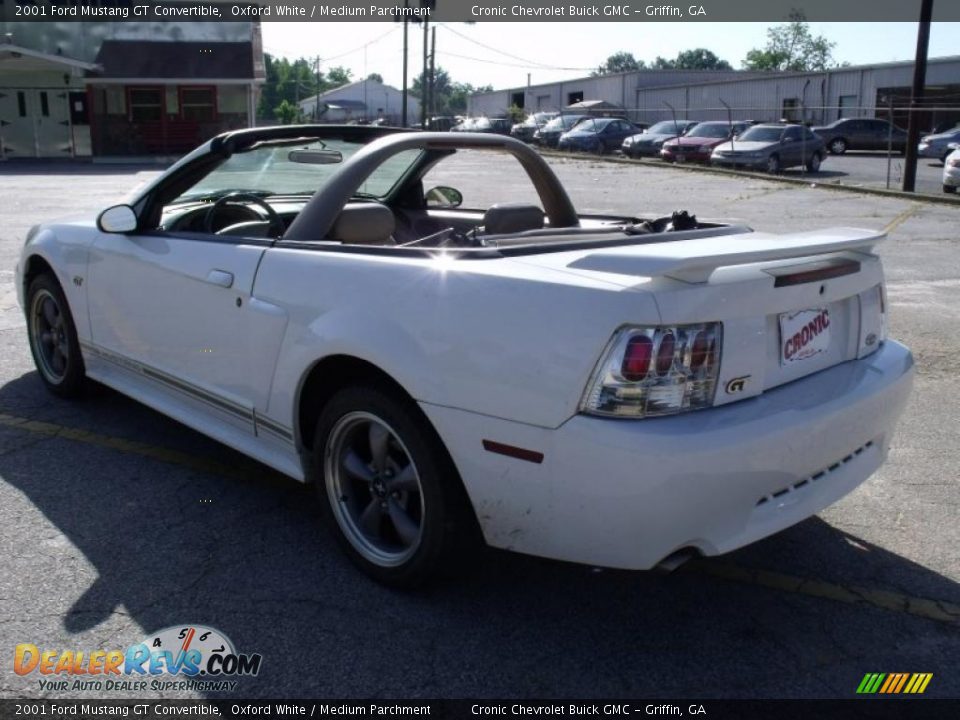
[838, 146]
[397, 504]
[53, 338]
[949, 189]
[773, 164]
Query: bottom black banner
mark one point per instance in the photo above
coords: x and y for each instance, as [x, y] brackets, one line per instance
[870, 709]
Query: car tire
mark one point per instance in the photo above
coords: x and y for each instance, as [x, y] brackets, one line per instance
[838, 146]
[813, 164]
[950, 189]
[53, 338]
[773, 164]
[397, 505]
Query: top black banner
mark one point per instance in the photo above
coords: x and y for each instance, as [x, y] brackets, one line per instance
[471, 10]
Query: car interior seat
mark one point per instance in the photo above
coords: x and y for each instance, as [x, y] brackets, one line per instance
[505, 218]
[364, 224]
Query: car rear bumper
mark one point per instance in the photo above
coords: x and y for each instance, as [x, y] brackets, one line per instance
[738, 162]
[628, 493]
[694, 156]
[951, 177]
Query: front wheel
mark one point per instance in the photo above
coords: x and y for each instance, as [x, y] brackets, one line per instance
[949, 189]
[813, 164]
[398, 506]
[773, 164]
[838, 146]
[53, 338]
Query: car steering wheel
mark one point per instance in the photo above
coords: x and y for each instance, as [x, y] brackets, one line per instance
[274, 220]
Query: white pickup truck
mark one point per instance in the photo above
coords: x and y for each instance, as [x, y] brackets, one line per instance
[616, 391]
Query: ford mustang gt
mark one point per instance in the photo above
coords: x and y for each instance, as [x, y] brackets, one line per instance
[618, 391]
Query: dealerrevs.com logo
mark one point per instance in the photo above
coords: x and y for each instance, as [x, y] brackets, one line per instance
[184, 657]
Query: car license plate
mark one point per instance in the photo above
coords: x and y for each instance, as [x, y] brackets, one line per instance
[804, 334]
[681, 158]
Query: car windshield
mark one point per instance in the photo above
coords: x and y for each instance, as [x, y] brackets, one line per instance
[709, 130]
[282, 169]
[666, 127]
[760, 133]
[592, 124]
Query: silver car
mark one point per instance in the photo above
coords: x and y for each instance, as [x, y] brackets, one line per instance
[938, 146]
[772, 148]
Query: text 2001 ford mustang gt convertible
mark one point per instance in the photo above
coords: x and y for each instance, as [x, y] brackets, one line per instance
[605, 390]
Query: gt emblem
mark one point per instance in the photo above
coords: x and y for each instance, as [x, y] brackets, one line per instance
[77, 280]
[737, 384]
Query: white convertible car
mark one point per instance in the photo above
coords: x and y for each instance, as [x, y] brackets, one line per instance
[617, 391]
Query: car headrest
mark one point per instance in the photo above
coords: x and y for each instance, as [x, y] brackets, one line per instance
[512, 217]
[364, 224]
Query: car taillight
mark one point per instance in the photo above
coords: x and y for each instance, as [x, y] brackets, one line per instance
[651, 371]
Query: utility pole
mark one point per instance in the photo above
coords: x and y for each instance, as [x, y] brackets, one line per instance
[424, 82]
[433, 65]
[403, 110]
[916, 97]
[316, 112]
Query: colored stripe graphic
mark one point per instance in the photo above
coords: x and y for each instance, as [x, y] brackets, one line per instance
[894, 683]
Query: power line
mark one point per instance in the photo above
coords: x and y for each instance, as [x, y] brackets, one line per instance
[527, 63]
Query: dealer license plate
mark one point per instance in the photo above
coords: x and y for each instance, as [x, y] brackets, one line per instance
[803, 335]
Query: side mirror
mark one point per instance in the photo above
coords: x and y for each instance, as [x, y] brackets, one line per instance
[443, 197]
[117, 219]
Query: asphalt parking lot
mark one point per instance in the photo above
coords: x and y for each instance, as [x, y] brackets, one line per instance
[117, 522]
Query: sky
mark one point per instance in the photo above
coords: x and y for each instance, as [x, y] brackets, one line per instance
[502, 54]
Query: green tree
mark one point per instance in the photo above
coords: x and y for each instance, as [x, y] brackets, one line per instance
[792, 47]
[450, 97]
[337, 76]
[375, 77]
[619, 62]
[696, 59]
[287, 113]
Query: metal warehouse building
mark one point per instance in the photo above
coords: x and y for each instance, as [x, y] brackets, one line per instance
[815, 97]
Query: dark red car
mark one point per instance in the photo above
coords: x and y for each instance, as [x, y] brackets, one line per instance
[700, 140]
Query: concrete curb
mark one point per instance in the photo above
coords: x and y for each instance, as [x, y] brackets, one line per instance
[944, 199]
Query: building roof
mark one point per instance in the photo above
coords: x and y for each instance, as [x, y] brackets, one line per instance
[15, 57]
[139, 60]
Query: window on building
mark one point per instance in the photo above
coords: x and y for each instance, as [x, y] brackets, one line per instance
[517, 99]
[848, 106]
[44, 104]
[791, 109]
[146, 104]
[22, 103]
[198, 104]
[574, 97]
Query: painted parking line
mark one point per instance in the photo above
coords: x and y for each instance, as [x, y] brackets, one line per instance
[901, 218]
[852, 595]
[174, 457]
[938, 610]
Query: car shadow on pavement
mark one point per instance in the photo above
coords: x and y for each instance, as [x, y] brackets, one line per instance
[244, 552]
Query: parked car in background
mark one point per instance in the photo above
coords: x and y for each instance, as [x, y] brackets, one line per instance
[698, 143]
[597, 135]
[938, 146]
[549, 134]
[650, 141]
[862, 134]
[951, 170]
[497, 126]
[533, 122]
[772, 148]
[441, 123]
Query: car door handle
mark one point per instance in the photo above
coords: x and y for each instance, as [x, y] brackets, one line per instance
[220, 277]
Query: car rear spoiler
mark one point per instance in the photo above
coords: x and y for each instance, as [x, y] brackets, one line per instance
[693, 261]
